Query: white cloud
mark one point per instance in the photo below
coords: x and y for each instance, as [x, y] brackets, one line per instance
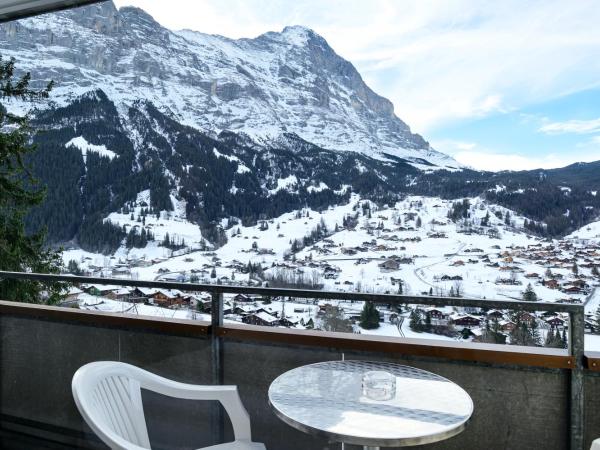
[438, 61]
[572, 126]
[477, 157]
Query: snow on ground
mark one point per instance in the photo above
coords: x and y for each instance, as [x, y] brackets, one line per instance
[590, 231]
[416, 230]
[172, 222]
[284, 184]
[85, 147]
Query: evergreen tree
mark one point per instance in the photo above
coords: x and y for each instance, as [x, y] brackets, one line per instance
[550, 338]
[73, 267]
[529, 295]
[486, 220]
[21, 251]
[563, 338]
[369, 317]
[213, 273]
[534, 331]
[416, 320]
[492, 334]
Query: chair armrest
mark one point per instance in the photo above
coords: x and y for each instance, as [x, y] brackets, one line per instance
[227, 395]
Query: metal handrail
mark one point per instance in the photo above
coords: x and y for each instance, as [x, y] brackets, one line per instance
[305, 293]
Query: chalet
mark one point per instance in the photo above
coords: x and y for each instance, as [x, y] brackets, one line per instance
[571, 289]
[177, 277]
[195, 299]
[242, 298]
[261, 318]
[167, 298]
[142, 263]
[143, 292]
[204, 305]
[389, 265]
[289, 322]
[551, 284]
[458, 263]
[527, 317]
[555, 322]
[99, 290]
[435, 313]
[451, 278]
[437, 235]
[466, 320]
[495, 314]
[507, 325]
[119, 294]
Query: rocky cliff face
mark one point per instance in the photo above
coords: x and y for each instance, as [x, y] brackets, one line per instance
[288, 82]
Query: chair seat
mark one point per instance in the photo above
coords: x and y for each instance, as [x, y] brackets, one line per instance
[236, 445]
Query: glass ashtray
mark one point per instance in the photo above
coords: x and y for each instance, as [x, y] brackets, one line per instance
[379, 385]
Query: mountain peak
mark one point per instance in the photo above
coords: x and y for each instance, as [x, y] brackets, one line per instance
[133, 12]
[299, 32]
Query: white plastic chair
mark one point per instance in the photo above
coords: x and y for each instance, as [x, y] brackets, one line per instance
[108, 396]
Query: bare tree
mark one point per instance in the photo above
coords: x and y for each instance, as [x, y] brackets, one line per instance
[458, 288]
[334, 320]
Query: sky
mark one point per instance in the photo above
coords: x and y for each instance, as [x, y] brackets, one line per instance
[509, 84]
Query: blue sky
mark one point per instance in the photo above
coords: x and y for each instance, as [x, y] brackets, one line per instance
[499, 85]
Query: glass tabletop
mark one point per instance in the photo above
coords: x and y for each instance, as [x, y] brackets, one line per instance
[327, 399]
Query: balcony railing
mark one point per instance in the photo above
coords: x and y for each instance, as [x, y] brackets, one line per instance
[525, 397]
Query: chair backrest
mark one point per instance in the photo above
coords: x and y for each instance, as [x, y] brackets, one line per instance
[109, 398]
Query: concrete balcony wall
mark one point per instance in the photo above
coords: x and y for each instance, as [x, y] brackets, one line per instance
[516, 407]
[39, 357]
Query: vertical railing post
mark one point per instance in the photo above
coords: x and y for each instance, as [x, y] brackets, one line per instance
[217, 416]
[576, 349]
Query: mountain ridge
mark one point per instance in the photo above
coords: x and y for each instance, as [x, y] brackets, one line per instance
[279, 82]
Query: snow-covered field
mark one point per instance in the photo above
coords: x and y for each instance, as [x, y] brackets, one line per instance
[482, 256]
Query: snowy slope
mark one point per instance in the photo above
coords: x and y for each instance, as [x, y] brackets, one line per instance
[589, 231]
[438, 247]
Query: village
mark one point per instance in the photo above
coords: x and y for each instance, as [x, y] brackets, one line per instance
[416, 247]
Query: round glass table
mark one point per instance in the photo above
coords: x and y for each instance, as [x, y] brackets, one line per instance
[326, 399]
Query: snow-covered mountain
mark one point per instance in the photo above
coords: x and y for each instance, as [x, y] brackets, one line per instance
[288, 82]
[212, 132]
